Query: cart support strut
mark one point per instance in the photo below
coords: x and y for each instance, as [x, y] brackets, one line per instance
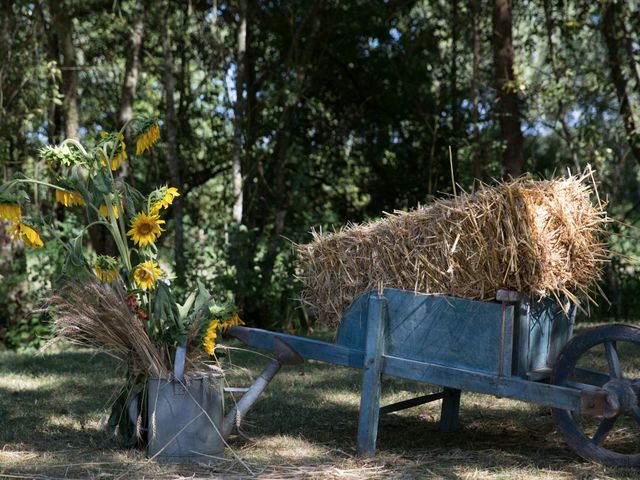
[371, 377]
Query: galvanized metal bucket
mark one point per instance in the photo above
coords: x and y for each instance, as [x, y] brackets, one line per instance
[185, 417]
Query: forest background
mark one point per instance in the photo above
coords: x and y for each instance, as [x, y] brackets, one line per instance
[282, 116]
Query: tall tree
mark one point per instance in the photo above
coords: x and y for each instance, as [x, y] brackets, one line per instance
[475, 81]
[63, 25]
[171, 122]
[453, 93]
[239, 112]
[613, 31]
[563, 107]
[133, 65]
[507, 108]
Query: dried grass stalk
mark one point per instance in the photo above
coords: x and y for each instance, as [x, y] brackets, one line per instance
[96, 315]
[537, 237]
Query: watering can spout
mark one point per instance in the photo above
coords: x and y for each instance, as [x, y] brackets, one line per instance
[284, 355]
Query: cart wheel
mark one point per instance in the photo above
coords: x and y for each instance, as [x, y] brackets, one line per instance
[606, 357]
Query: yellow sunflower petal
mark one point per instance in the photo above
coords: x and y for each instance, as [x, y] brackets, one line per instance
[170, 194]
[29, 235]
[105, 213]
[69, 199]
[147, 139]
[10, 211]
[209, 340]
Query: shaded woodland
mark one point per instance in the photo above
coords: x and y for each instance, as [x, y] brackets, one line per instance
[282, 116]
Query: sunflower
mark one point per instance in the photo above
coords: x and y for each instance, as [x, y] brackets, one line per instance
[145, 229]
[120, 153]
[69, 199]
[147, 138]
[105, 213]
[10, 211]
[146, 274]
[234, 320]
[166, 198]
[106, 268]
[26, 233]
[209, 340]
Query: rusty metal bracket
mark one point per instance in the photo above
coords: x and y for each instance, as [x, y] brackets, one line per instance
[599, 404]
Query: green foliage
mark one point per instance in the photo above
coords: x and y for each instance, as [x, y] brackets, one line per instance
[30, 332]
[348, 110]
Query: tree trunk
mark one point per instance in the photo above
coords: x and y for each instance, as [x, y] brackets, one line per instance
[173, 159]
[279, 192]
[64, 29]
[507, 108]
[478, 155]
[269, 221]
[54, 114]
[613, 39]
[629, 47]
[455, 109]
[566, 135]
[239, 113]
[132, 67]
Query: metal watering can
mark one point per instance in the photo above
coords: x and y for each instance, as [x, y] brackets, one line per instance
[186, 420]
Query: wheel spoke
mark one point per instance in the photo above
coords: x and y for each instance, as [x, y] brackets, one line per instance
[612, 359]
[603, 430]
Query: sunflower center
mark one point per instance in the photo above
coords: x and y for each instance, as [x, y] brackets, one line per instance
[145, 229]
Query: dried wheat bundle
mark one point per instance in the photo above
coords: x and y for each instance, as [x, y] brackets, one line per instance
[94, 314]
[536, 237]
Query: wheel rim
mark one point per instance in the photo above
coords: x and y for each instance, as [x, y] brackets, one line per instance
[606, 357]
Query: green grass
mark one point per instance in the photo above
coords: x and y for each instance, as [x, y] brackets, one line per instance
[53, 409]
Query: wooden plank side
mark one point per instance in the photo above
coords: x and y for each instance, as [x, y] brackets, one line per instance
[445, 330]
[542, 330]
[520, 363]
[541, 315]
[506, 346]
[371, 377]
[561, 333]
[353, 325]
[510, 387]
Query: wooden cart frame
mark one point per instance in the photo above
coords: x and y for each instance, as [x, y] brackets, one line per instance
[508, 348]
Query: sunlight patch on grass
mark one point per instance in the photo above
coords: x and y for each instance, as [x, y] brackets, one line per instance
[22, 383]
[339, 398]
[286, 449]
[17, 457]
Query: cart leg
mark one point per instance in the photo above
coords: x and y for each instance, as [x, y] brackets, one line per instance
[371, 377]
[450, 410]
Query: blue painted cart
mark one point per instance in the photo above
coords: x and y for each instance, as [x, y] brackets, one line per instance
[515, 347]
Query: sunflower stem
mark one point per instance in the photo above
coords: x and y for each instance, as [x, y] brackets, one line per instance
[58, 237]
[76, 144]
[117, 228]
[40, 182]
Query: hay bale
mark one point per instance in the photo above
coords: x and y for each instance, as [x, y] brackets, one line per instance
[537, 237]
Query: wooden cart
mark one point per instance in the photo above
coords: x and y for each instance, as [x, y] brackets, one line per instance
[515, 347]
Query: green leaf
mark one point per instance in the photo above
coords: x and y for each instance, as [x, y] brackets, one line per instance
[166, 313]
[102, 182]
[184, 308]
[77, 255]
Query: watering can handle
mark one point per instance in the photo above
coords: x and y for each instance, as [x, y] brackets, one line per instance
[178, 364]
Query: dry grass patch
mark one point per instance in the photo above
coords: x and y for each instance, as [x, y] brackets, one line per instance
[304, 427]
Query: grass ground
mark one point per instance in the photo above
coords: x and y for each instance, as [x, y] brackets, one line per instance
[52, 411]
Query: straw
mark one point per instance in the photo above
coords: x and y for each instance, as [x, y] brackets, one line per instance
[95, 315]
[543, 238]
